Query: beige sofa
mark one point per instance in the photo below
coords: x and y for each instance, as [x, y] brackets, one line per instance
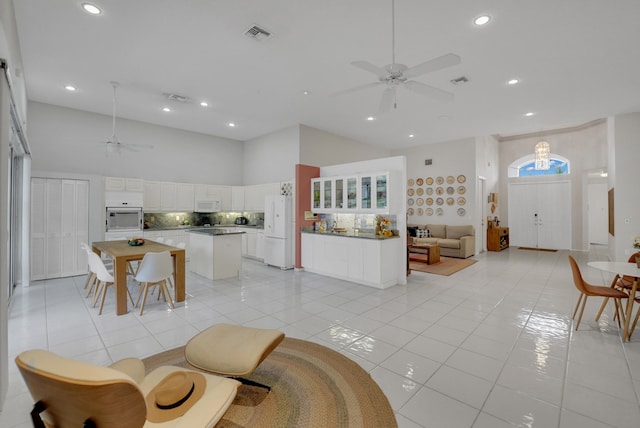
[454, 241]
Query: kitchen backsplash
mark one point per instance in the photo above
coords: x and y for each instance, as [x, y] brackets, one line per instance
[162, 220]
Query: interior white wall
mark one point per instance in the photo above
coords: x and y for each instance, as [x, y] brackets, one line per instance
[625, 184]
[272, 157]
[321, 148]
[586, 149]
[449, 158]
[68, 140]
[10, 51]
[597, 213]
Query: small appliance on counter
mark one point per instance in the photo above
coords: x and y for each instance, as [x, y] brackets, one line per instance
[242, 220]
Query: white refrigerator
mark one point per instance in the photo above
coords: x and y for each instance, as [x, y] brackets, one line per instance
[277, 231]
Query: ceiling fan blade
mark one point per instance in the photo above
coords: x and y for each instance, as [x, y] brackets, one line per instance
[435, 64]
[367, 66]
[388, 99]
[356, 88]
[428, 91]
[139, 146]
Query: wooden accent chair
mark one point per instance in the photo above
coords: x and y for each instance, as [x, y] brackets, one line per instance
[587, 290]
[71, 393]
[625, 283]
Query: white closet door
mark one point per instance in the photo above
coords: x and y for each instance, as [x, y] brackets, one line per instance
[59, 223]
[38, 229]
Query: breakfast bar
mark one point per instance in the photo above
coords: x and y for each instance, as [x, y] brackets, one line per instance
[215, 253]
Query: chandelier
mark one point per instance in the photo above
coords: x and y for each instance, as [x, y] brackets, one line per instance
[542, 153]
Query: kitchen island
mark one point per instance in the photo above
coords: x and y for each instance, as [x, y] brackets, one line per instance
[215, 253]
[364, 258]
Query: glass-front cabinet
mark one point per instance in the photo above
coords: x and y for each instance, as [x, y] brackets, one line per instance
[366, 193]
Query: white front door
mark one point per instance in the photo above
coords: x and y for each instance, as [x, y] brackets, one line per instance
[540, 215]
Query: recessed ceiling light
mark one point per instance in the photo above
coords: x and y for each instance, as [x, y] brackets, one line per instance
[91, 8]
[166, 109]
[70, 88]
[529, 114]
[204, 104]
[411, 135]
[371, 118]
[232, 125]
[482, 20]
[306, 93]
[443, 117]
[513, 81]
[603, 174]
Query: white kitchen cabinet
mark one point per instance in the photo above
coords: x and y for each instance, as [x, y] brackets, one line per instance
[237, 198]
[260, 244]
[209, 192]
[152, 196]
[168, 196]
[374, 262]
[184, 197]
[366, 193]
[122, 184]
[251, 234]
[59, 223]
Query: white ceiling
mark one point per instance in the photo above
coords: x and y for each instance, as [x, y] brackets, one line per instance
[578, 60]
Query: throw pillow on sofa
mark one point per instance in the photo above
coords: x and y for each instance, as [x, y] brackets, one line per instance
[412, 231]
[423, 233]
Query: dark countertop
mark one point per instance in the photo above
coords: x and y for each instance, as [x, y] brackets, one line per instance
[189, 228]
[214, 231]
[361, 235]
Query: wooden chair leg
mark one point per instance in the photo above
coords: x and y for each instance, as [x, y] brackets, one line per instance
[575, 311]
[635, 321]
[604, 303]
[165, 291]
[144, 298]
[584, 303]
[104, 294]
[97, 292]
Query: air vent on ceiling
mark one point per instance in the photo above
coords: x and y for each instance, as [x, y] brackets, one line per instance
[461, 79]
[257, 33]
[428, 162]
[176, 97]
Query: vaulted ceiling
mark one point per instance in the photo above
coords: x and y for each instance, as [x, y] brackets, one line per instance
[576, 60]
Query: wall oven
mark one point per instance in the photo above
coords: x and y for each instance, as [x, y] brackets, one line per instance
[120, 219]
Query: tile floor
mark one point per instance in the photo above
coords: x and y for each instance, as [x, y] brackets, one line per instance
[491, 346]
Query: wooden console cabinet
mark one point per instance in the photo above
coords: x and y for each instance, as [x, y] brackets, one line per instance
[497, 238]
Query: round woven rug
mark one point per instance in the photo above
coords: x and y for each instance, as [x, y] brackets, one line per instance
[311, 386]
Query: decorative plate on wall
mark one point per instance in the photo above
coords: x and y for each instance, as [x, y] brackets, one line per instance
[420, 191]
[439, 211]
[439, 180]
[410, 192]
[410, 211]
[420, 211]
[420, 201]
[419, 181]
[410, 182]
[450, 179]
[429, 190]
[439, 201]
[429, 211]
[429, 201]
[450, 190]
[462, 179]
[439, 190]
[450, 201]
[429, 181]
[461, 212]
[462, 190]
[461, 201]
[410, 201]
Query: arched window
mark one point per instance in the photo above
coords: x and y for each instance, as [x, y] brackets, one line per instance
[525, 166]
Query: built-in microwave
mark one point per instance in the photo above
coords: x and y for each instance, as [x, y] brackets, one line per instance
[207, 205]
[122, 219]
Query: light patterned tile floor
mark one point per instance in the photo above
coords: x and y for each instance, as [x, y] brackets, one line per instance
[490, 346]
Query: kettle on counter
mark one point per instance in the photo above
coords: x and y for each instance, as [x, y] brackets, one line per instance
[242, 220]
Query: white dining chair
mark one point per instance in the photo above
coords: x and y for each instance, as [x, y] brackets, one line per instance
[154, 271]
[104, 278]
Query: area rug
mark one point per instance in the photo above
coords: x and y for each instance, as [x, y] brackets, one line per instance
[537, 249]
[446, 266]
[311, 386]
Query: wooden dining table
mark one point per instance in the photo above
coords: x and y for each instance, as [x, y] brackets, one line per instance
[122, 253]
[628, 269]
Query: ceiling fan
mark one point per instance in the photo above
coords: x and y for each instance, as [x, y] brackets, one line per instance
[113, 143]
[394, 75]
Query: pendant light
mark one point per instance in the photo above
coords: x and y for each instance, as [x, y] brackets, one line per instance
[542, 153]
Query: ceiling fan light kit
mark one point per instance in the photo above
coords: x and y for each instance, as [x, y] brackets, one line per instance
[394, 75]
